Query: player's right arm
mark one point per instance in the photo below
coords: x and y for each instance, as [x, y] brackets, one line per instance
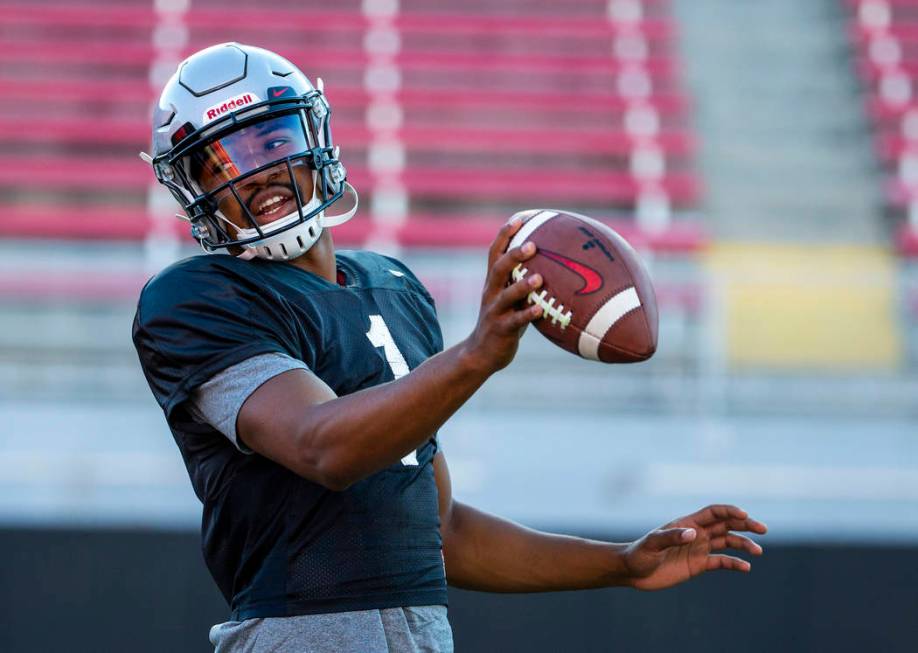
[296, 420]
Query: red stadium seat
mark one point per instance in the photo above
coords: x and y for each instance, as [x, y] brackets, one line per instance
[534, 183]
[128, 55]
[483, 139]
[419, 231]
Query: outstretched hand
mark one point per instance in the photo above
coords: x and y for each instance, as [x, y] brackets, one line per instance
[686, 547]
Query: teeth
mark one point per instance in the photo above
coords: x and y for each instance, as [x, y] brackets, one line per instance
[262, 208]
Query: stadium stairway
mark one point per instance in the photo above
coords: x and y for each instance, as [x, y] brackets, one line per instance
[786, 151]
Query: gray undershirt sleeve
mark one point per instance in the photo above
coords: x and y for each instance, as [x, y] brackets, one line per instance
[218, 400]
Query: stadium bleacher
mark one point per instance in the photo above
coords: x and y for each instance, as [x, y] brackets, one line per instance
[450, 117]
[460, 111]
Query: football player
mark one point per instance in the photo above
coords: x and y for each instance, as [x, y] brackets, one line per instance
[304, 387]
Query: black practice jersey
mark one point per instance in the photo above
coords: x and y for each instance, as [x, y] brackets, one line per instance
[276, 543]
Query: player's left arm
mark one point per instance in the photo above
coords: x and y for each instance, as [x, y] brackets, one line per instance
[487, 553]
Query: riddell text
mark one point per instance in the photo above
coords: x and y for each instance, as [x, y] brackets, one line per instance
[229, 105]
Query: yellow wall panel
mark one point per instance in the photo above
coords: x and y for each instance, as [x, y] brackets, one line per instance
[825, 307]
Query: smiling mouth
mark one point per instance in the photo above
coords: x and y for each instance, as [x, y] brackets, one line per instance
[272, 203]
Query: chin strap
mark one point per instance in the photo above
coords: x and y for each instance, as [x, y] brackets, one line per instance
[326, 220]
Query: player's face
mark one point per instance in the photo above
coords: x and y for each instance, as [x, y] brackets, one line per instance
[268, 195]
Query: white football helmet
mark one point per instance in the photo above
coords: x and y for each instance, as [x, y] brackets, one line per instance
[242, 139]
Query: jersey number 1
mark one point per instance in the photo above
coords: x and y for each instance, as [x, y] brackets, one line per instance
[380, 337]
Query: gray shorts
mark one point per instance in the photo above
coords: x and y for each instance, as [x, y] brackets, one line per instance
[391, 630]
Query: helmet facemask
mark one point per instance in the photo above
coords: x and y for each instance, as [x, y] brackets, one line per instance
[259, 181]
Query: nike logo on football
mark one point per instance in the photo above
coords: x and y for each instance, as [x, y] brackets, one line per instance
[280, 91]
[592, 280]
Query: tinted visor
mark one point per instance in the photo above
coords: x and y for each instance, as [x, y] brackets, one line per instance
[244, 150]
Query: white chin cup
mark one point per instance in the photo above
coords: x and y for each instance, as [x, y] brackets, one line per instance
[289, 243]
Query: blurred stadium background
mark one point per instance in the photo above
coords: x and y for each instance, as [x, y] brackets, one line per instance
[763, 156]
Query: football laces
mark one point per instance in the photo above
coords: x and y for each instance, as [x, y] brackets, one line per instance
[544, 301]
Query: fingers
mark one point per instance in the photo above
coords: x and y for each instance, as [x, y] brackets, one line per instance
[660, 540]
[518, 291]
[747, 525]
[510, 297]
[500, 271]
[714, 513]
[753, 526]
[523, 317]
[734, 541]
[507, 303]
[502, 241]
[721, 518]
[727, 562]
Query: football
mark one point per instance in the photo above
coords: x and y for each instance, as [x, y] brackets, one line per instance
[597, 298]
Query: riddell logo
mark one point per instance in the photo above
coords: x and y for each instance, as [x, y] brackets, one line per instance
[230, 105]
